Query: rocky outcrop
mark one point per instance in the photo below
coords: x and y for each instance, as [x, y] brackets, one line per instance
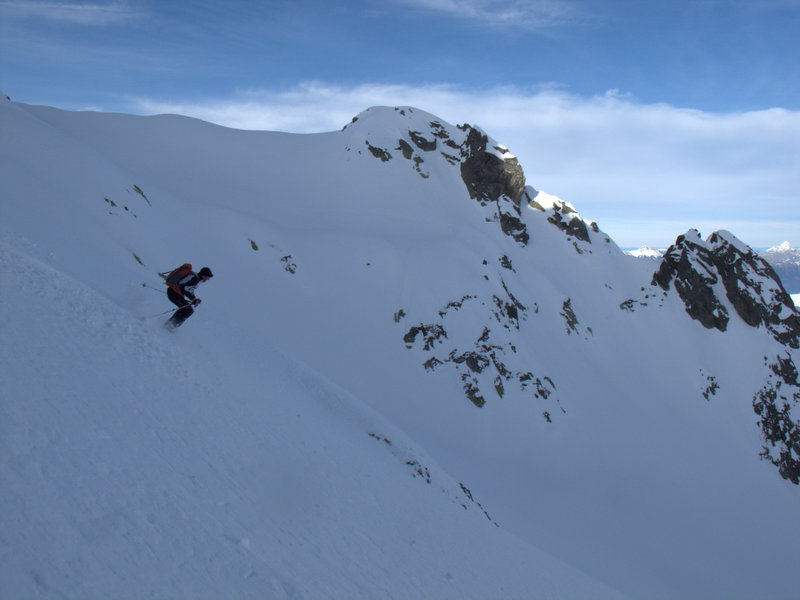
[722, 277]
[689, 264]
[756, 292]
[574, 227]
[494, 176]
[564, 217]
[489, 365]
[776, 406]
[704, 273]
[490, 173]
[486, 175]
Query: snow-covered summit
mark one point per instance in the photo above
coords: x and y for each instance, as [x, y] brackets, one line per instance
[491, 173]
[786, 261]
[784, 248]
[646, 252]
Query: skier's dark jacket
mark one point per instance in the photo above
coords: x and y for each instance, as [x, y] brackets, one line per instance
[186, 285]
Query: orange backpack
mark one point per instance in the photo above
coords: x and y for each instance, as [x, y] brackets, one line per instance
[176, 275]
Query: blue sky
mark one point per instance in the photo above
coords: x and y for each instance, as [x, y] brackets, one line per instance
[650, 116]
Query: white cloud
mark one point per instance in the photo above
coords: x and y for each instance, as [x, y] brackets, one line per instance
[526, 14]
[77, 13]
[645, 172]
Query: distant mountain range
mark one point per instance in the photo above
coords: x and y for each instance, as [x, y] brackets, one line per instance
[786, 262]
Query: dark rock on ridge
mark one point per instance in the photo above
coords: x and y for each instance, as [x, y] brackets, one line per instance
[722, 270]
[701, 269]
[491, 179]
[774, 404]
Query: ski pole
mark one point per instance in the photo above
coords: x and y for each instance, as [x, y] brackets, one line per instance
[144, 285]
[171, 310]
[176, 309]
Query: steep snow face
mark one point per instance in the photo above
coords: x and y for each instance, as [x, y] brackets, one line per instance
[397, 278]
[132, 464]
[207, 463]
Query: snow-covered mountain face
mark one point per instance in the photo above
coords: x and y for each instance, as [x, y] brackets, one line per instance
[481, 333]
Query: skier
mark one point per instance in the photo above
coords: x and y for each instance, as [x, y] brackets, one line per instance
[181, 284]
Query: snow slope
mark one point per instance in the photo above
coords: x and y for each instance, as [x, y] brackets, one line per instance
[247, 452]
[138, 466]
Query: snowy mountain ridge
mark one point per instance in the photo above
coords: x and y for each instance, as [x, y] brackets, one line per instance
[783, 258]
[400, 331]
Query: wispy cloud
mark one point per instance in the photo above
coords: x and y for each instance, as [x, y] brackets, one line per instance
[75, 13]
[526, 14]
[628, 165]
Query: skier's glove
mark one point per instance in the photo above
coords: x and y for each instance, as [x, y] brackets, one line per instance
[196, 301]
